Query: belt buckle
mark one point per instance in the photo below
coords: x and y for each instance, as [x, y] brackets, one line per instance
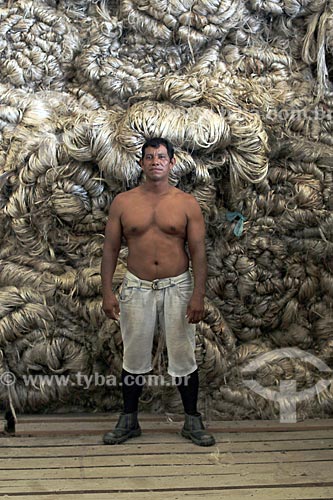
[154, 284]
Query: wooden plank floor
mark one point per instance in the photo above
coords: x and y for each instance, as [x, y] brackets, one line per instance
[62, 457]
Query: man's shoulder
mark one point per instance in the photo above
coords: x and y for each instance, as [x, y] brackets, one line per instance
[188, 203]
[120, 203]
[125, 195]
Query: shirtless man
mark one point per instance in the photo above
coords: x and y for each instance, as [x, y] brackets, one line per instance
[157, 220]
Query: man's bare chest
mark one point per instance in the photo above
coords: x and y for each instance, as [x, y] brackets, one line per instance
[168, 219]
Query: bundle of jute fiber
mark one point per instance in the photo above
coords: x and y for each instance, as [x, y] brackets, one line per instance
[260, 362]
[251, 290]
[263, 63]
[297, 206]
[4, 227]
[117, 62]
[305, 180]
[65, 200]
[290, 8]
[148, 118]
[17, 109]
[125, 56]
[318, 44]
[290, 275]
[54, 206]
[73, 289]
[191, 23]
[58, 283]
[93, 137]
[199, 128]
[16, 272]
[33, 118]
[219, 87]
[22, 310]
[227, 82]
[191, 128]
[45, 370]
[295, 365]
[47, 325]
[79, 10]
[323, 325]
[215, 345]
[101, 70]
[115, 139]
[268, 224]
[38, 45]
[302, 114]
[248, 142]
[236, 402]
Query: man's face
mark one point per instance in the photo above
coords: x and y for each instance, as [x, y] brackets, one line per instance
[156, 163]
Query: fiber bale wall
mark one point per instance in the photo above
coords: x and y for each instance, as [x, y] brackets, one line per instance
[244, 92]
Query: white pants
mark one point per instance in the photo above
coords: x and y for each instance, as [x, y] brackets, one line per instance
[146, 304]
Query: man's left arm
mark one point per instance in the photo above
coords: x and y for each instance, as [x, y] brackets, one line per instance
[196, 244]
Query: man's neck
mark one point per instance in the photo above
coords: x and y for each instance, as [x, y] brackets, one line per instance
[157, 187]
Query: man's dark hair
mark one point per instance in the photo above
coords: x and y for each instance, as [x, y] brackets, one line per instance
[155, 142]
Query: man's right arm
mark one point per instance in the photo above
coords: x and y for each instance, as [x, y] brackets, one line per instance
[112, 244]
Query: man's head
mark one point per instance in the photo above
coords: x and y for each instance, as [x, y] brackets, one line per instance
[155, 142]
[157, 159]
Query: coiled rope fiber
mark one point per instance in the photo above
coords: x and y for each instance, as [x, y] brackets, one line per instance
[232, 84]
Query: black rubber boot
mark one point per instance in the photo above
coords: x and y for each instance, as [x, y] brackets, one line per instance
[127, 427]
[194, 429]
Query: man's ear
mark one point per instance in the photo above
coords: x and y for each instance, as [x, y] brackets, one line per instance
[172, 161]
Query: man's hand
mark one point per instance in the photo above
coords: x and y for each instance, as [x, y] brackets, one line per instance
[196, 309]
[111, 307]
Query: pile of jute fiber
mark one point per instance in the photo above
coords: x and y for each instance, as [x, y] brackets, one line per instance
[244, 92]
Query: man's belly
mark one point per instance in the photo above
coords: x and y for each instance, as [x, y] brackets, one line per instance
[163, 264]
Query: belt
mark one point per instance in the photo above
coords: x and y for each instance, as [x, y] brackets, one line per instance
[158, 284]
